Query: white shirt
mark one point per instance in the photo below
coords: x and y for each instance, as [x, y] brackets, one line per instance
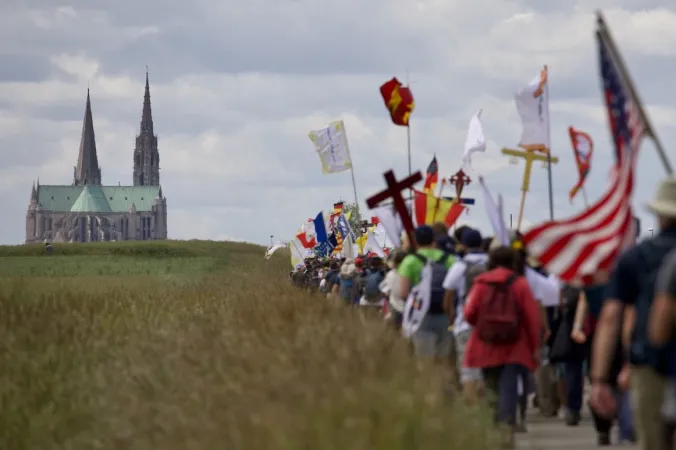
[391, 286]
[455, 281]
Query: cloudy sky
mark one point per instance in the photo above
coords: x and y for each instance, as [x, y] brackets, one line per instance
[237, 85]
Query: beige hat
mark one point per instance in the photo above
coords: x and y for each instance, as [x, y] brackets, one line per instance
[664, 203]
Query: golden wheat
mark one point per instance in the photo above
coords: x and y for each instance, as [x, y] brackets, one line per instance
[204, 345]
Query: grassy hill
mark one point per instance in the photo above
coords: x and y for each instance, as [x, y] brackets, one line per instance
[203, 345]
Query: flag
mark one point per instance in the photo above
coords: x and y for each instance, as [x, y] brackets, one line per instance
[348, 247]
[332, 148]
[578, 247]
[475, 142]
[337, 211]
[305, 240]
[398, 101]
[430, 209]
[432, 176]
[298, 253]
[495, 214]
[342, 230]
[323, 249]
[372, 245]
[320, 228]
[272, 249]
[532, 104]
[391, 221]
[583, 147]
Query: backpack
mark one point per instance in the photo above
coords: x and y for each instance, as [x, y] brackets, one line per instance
[473, 270]
[651, 253]
[347, 288]
[499, 318]
[439, 271]
[331, 279]
[372, 286]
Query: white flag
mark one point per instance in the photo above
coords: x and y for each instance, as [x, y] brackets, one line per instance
[298, 253]
[372, 245]
[331, 146]
[475, 142]
[391, 222]
[418, 303]
[272, 249]
[348, 247]
[532, 103]
[494, 213]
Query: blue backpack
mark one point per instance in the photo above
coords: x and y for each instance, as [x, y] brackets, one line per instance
[372, 288]
[347, 290]
[652, 254]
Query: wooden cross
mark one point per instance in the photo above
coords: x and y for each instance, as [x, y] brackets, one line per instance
[460, 179]
[393, 191]
[529, 156]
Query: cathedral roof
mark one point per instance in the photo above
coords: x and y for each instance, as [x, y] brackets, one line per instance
[118, 198]
[91, 199]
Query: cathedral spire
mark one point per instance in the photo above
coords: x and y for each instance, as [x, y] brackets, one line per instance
[87, 170]
[147, 115]
[146, 155]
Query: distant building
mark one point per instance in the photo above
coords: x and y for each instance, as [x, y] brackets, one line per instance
[87, 211]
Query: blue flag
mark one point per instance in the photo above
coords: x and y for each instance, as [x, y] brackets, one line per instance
[320, 228]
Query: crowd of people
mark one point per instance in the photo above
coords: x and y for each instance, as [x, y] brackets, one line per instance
[486, 320]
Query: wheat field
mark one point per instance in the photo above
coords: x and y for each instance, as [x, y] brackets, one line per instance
[204, 345]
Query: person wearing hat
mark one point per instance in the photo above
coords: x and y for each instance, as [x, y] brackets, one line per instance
[433, 338]
[629, 296]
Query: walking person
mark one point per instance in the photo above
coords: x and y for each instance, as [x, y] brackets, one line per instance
[625, 314]
[505, 340]
[457, 284]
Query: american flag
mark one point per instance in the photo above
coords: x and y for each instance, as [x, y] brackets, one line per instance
[578, 247]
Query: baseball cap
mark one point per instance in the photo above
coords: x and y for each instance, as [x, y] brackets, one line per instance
[471, 238]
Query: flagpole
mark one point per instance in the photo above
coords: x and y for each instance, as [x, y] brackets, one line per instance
[584, 197]
[549, 154]
[354, 189]
[408, 147]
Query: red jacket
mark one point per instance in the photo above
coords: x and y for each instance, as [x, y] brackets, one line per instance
[480, 354]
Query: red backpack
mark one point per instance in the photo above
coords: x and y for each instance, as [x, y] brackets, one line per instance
[499, 318]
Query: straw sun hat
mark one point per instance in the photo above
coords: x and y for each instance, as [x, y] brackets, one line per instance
[664, 204]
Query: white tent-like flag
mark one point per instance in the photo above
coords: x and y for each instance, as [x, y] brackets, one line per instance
[475, 142]
[272, 249]
[332, 148]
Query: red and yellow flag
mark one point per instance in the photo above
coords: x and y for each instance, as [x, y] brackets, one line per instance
[432, 176]
[398, 101]
[583, 147]
[430, 209]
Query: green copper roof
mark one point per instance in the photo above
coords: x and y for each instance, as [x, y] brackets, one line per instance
[100, 198]
[92, 199]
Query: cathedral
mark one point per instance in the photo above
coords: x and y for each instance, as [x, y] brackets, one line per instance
[87, 210]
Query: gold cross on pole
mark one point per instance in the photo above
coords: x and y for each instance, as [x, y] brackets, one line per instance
[528, 156]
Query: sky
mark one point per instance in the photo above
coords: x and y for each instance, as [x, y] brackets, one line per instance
[237, 85]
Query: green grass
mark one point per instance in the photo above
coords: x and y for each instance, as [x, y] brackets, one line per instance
[203, 345]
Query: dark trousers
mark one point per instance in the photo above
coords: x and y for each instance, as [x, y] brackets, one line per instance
[574, 378]
[502, 385]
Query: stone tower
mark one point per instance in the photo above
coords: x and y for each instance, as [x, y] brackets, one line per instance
[146, 154]
[87, 170]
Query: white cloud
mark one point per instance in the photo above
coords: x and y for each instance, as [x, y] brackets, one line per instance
[237, 86]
